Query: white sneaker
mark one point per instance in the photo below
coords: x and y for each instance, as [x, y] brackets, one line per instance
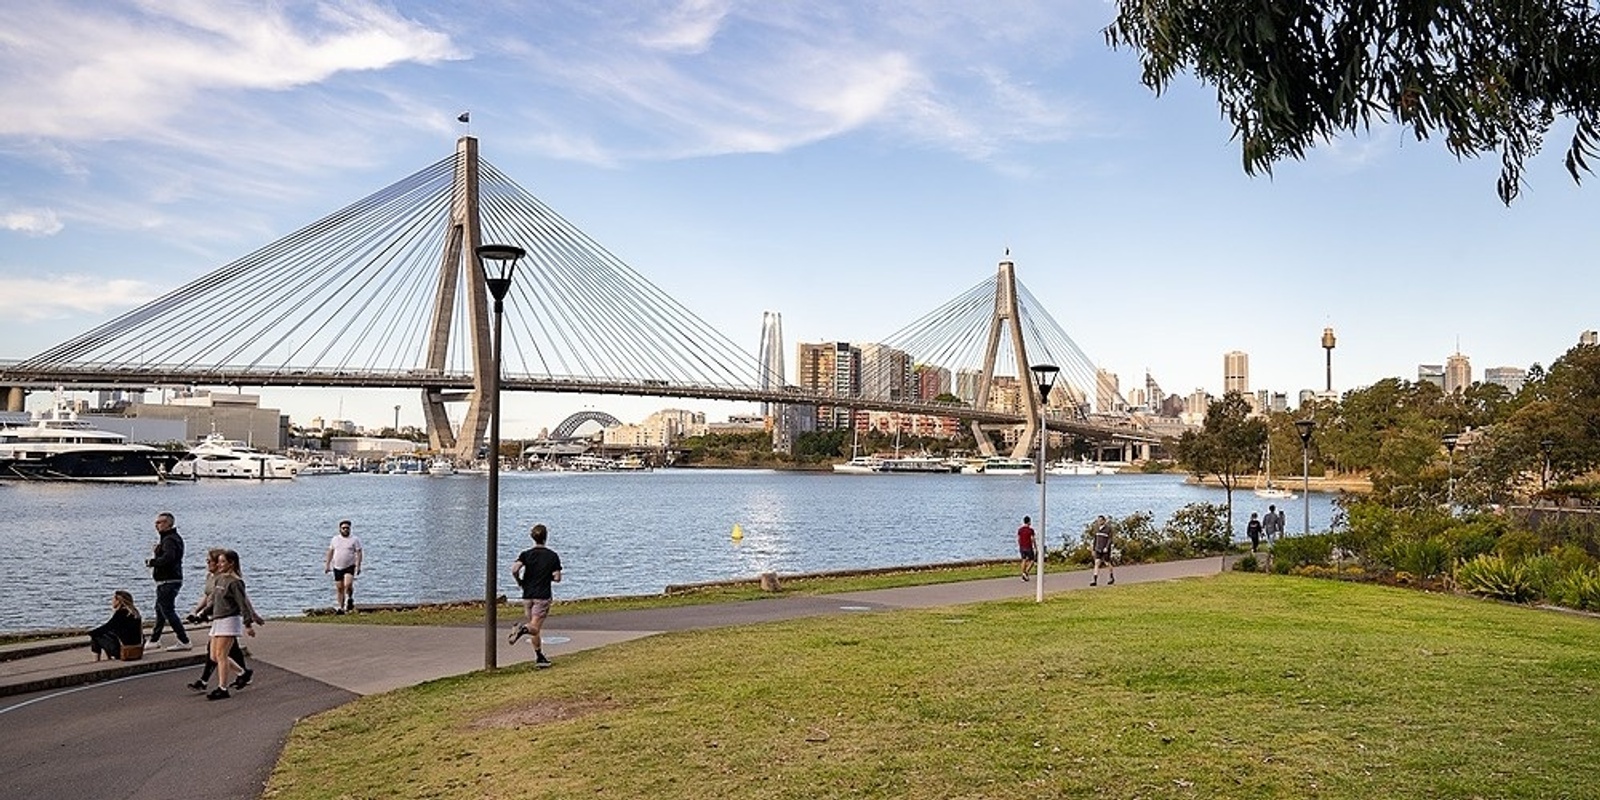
[178, 646]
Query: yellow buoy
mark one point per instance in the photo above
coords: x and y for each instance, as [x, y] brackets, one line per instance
[738, 532]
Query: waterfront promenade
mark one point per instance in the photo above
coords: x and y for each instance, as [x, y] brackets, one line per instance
[113, 730]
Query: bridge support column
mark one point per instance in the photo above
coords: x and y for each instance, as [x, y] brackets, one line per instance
[1006, 319]
[462, 238]
[14, 398]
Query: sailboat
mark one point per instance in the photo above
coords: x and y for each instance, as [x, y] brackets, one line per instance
[858, 464]
[1269, 491]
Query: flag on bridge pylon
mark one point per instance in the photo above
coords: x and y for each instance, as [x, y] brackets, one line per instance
[466, 116]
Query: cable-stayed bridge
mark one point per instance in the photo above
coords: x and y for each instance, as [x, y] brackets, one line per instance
[389, 292]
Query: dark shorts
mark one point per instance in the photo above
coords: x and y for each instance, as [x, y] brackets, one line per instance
[537, 609]
[1103, 555]
[1027, 553]
[338, 574]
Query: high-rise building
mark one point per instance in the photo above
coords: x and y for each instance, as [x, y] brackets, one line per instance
[832, 369]
[772, 375]
[1431, 373]
[885, 373]
[931, 381]
[1510, 377]
[1236, 372]
[1196, 406]
[1457, 373]
[1108, 391]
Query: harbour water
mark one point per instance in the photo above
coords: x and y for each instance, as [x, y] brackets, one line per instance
[68, 546]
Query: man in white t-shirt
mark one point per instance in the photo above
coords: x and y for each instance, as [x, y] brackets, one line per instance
[344, 561]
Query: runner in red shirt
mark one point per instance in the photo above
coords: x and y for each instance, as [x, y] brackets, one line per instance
[1025, 546]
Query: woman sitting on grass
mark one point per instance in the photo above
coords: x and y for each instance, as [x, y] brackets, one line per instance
[125, 626]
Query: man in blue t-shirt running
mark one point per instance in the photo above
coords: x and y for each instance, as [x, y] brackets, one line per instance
[535, 570]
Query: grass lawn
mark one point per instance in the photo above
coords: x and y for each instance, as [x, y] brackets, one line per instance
[1232, 686]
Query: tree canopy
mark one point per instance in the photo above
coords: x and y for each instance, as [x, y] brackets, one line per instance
[1488, 76]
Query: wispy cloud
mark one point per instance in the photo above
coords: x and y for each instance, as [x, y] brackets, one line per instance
[708, 77]
[31, 299]
[31, 221]
[98, 71]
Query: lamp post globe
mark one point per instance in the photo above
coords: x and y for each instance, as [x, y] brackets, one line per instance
[1045, 376]
[498, 281]
[1449, 441]
[1304, 427]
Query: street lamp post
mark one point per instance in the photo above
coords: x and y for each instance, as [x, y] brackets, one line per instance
[499, 283]
[1305, 427]
[1450, 440]
[1045, 376]
[1546, 446]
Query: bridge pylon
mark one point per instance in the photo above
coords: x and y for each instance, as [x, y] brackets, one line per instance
[460, 260]
[1007, 319]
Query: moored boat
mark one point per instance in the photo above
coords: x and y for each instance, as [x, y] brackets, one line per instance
[1005, 465]
[217, 456]
[58, 446]
[922, 462]
[860, 465]
[1080, 467]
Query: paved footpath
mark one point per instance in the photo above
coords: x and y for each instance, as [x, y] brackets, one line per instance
[135, 731]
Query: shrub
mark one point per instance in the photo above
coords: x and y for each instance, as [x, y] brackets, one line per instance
[1495, 576]
[1247, 564]
[1197, 529]
[1425, 559]
[1301, 551]
[1578, 588]
[1518, 545]
[1134, 537]
[1475, 536]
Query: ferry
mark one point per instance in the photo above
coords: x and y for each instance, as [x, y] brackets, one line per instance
[1005, 465]
[923, 462]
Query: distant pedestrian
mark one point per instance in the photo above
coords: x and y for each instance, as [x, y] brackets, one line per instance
[1253, 530]
[1026, 545]
[166, 567]
[1282, 529]
[344, 561]
[1102, 550]
[535, 570]
[231, 617]
[202, 612]
[1272, 524]
[124, 627]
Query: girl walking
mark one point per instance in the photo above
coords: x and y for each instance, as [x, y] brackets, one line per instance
[231, 617]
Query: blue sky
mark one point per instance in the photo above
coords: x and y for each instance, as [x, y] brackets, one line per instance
[850, 165]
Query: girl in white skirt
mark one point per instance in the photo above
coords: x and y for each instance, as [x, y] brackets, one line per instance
[231, 617]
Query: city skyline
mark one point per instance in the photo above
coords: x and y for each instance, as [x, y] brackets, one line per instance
[850, 167]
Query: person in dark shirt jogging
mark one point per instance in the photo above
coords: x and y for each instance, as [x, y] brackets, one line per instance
[535, 570]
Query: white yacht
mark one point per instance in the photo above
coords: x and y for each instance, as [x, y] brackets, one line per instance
[441, 466]
[860, 465]
[57, 446]
[1081, 467]
[217, 456]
